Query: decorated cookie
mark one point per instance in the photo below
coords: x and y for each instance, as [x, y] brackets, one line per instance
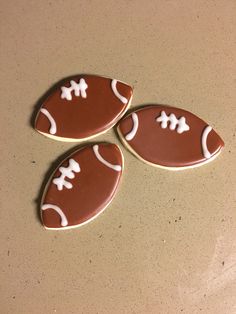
[82, 186]
[82, 107]
[169, 137]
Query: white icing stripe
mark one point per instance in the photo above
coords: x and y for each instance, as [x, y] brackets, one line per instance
[106, 163]
[53, 128]
[132, 133]
[64, 221]
[205, 150]
[118, 95]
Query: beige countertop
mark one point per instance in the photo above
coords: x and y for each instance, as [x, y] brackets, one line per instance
[167, 243]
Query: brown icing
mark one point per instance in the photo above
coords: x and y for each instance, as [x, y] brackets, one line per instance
[81, 117]
[93, 187]
[165, 147]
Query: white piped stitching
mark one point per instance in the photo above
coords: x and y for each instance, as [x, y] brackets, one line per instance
[78, 88]
[123, 99]
[53, 127]
[174, 122]
[132, 133]
[66, 172]
[205, 150]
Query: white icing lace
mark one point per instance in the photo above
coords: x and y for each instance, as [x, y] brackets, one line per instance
[78, 88]
[67, 172]
[174, 122]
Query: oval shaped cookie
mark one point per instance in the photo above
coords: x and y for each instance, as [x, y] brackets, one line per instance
[82, 186]
[82, 107]
[169, 137]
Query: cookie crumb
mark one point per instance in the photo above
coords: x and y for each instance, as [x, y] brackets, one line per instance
[120, 226]
[33, 162]
[8, 253]
[223, 263]
[180, 217]
[100, 236]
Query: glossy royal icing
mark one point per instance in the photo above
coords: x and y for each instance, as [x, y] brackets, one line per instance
[170, 137]
[88, 192]
[83, 107]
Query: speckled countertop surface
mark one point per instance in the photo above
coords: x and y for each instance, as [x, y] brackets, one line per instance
[167, 244]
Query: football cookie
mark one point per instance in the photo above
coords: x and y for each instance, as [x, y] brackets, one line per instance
[82, 107]
[82, 186]
[169, 137]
